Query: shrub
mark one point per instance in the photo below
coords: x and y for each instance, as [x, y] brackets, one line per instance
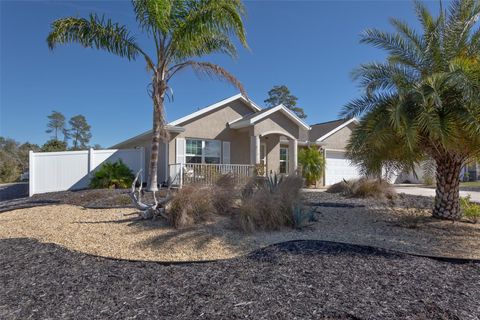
[364, 188]
[54, 145]
[225, 193]
[312, 163]
[269, 205]
[190, 205]
[342, 187]
[112, 175]
[471, 210]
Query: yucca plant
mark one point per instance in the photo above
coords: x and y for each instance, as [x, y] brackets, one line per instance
[112, 175]
[273, 182]
[423, 102]
[179, 29]
[313, 164]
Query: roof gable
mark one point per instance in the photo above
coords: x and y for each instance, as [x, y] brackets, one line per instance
[215, 106]
[252, 118]
[321, 131]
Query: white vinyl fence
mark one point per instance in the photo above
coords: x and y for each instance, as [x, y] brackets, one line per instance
[72, 170]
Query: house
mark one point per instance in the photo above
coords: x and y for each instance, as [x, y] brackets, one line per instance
[237, 133]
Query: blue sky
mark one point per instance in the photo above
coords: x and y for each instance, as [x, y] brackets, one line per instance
[310, 46]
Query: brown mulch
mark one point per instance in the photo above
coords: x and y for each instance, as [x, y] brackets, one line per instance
[294, 280]
[87, 198]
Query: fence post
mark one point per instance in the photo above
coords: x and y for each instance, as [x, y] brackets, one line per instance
[181, 175]
[91, 158]
[31, 181]
[142, 161]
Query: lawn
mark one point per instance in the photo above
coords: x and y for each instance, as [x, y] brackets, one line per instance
[474, 184]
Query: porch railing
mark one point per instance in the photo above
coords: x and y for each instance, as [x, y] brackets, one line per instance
[189, 173]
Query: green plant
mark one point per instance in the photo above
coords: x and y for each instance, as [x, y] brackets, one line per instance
[313, 164]
[303, 217]
[54, 145]
[423, 101]
[471, 210]
[180, 30]
[272, 182]
[112, 175]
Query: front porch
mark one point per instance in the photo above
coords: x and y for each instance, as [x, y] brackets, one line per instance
[205, 160]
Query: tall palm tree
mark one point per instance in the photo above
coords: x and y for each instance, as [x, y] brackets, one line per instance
[180, 29]
[423, 102]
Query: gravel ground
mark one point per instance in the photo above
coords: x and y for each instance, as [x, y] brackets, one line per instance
[401, 225]
[296, 280]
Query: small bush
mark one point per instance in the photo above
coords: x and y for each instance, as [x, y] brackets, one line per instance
[471, 210]
[312, 163]
[364, 188]
[112, 175]
[269, 205]
[224, 194]
[192, 204]
[342, 187]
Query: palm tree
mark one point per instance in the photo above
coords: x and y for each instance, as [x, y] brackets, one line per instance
[180, 29]
[424, 101]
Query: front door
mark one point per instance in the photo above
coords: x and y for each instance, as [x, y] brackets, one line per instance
[263, 158]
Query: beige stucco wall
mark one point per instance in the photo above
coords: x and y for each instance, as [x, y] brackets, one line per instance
[213, 125]
[277, 122]
[339, 139]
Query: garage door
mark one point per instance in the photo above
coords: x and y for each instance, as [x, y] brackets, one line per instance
[337, 168]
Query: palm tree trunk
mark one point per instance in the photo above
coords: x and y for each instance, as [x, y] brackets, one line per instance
[159, 131]
[152, 174]
[447, 205]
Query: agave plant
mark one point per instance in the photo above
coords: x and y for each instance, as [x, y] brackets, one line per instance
[423, 102]
[180, 30]
[273, 182]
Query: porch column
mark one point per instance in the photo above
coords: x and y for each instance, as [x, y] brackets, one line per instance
[255, 149]
[292, 154]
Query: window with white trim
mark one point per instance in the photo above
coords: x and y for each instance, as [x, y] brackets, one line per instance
[283, 159]
[202, 151]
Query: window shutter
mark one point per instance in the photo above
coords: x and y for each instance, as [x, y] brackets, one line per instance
[180, 150]
[226, 152]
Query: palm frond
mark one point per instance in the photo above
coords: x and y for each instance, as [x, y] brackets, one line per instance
[210, 70]
[205, 21]
[153, 15]
[94, 32]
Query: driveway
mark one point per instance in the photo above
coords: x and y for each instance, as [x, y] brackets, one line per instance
[430, 192]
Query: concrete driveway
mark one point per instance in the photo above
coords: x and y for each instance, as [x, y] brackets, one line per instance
[430, 192]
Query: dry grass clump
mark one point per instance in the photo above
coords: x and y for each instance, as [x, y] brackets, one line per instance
[196, 203]
[364, 188]
[192, 204]
[225, 192]
[269, 205]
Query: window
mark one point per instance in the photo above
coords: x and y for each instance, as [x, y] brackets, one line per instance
[283, 159]
[202, 151]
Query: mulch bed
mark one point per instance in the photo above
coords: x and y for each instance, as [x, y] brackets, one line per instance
[87, 198]
[294, 280]
[101, 198]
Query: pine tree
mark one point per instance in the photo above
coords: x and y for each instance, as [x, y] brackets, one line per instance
[281, 95]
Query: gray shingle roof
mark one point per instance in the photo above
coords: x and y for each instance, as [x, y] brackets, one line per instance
[320, 129]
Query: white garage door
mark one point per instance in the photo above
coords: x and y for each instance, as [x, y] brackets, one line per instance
[337, 168]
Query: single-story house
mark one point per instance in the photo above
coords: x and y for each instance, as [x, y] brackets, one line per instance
[237, 132]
